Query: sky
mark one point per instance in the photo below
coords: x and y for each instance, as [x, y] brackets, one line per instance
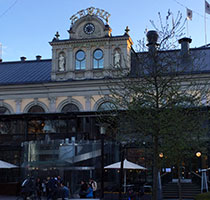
[27, 26]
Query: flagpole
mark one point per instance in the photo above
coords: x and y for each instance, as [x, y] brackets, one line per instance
[205, 22]
[187, 29]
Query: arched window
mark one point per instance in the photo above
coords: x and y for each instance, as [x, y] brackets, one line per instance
[5, 126]
[80, 60]
[4, 110]
[70, 108]
[106, 106]
[35, 125]
[98, 59]
[36, 109]
[71, 124]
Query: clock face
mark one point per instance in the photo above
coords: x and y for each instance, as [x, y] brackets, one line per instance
[89, 28]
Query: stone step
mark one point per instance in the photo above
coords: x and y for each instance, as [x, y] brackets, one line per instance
[189, 190]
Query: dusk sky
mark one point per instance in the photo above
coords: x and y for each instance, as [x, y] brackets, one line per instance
[27, 26]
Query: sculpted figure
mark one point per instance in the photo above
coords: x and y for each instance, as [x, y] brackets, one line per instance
[61, 63]
[117, 59]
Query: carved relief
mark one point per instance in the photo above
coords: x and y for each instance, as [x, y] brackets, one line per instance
[91, 11]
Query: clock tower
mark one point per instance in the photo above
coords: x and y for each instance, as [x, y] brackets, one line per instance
[91, 51]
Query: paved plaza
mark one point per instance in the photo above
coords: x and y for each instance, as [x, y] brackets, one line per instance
[2, 197]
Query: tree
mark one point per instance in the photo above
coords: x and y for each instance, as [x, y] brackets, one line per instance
[160, 98]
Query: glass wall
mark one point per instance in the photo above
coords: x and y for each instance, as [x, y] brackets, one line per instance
[72, 159]
[65, 144]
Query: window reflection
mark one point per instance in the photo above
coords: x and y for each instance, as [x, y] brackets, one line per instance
[98, 59]
[106, 106]
[70, 108]
[36, 126]
[80, 60]
[4, 110]
[5, 126]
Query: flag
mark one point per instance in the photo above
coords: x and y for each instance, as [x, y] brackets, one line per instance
[189, 14]
[207, 7]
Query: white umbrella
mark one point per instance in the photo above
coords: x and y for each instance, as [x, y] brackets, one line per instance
[6, 165]
[126, 165]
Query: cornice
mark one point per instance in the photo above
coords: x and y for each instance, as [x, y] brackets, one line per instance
[91, 40]
[53, 87]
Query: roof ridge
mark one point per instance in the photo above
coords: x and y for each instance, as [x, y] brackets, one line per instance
[26, 61]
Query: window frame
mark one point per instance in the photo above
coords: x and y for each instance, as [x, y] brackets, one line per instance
[80, 62]
[97, 66]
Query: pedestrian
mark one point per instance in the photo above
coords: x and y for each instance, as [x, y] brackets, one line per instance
[94, 186]
[89, 191]
[44, 187]
[65, 192]
[38, 188]
[53, 188]
[83, 189]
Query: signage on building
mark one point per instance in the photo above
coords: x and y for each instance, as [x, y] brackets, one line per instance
[90, 11]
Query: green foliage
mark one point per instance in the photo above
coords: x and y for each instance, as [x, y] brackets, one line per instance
[161, 99]
[204, 196]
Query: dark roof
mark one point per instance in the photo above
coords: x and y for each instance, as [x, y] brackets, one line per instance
[25, 72]
[201, 57]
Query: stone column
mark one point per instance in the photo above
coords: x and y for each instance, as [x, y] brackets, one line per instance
[18, 105]
[54, 62]
[89, 63]
[52, 102]
[106, 57]
[88, 103]
[71, 62]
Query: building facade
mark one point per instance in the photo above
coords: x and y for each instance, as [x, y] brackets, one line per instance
[50, 109]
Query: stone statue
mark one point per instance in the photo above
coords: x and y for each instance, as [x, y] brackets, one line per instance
[117, 59]
[61, 63]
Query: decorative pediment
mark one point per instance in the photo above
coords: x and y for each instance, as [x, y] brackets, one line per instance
[90, 23]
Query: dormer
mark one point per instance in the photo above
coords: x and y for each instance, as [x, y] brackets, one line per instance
[91, 51]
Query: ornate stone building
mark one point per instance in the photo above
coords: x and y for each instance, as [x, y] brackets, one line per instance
[49, 108]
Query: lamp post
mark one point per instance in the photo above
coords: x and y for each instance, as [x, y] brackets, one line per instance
[198, 155]
[102, 132]
[145, 158]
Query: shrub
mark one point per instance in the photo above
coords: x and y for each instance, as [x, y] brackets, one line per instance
[203, 196]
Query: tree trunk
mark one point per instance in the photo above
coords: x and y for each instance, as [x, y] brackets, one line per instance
[121, 172]
[179, 183]
[155, 169]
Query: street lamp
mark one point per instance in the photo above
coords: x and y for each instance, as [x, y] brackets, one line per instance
[102, 132]
[161, 155]
[198, 155]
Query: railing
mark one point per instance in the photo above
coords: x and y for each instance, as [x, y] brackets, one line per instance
[21, 137]
[166, 177]
[196, 178]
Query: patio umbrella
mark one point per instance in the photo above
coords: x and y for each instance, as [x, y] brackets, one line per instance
[126, 165]
[6, 165]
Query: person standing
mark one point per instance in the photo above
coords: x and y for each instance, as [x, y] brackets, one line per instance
[83, 189]
[89, 191]
[65, 192]
[38, 188]
[94, 187]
